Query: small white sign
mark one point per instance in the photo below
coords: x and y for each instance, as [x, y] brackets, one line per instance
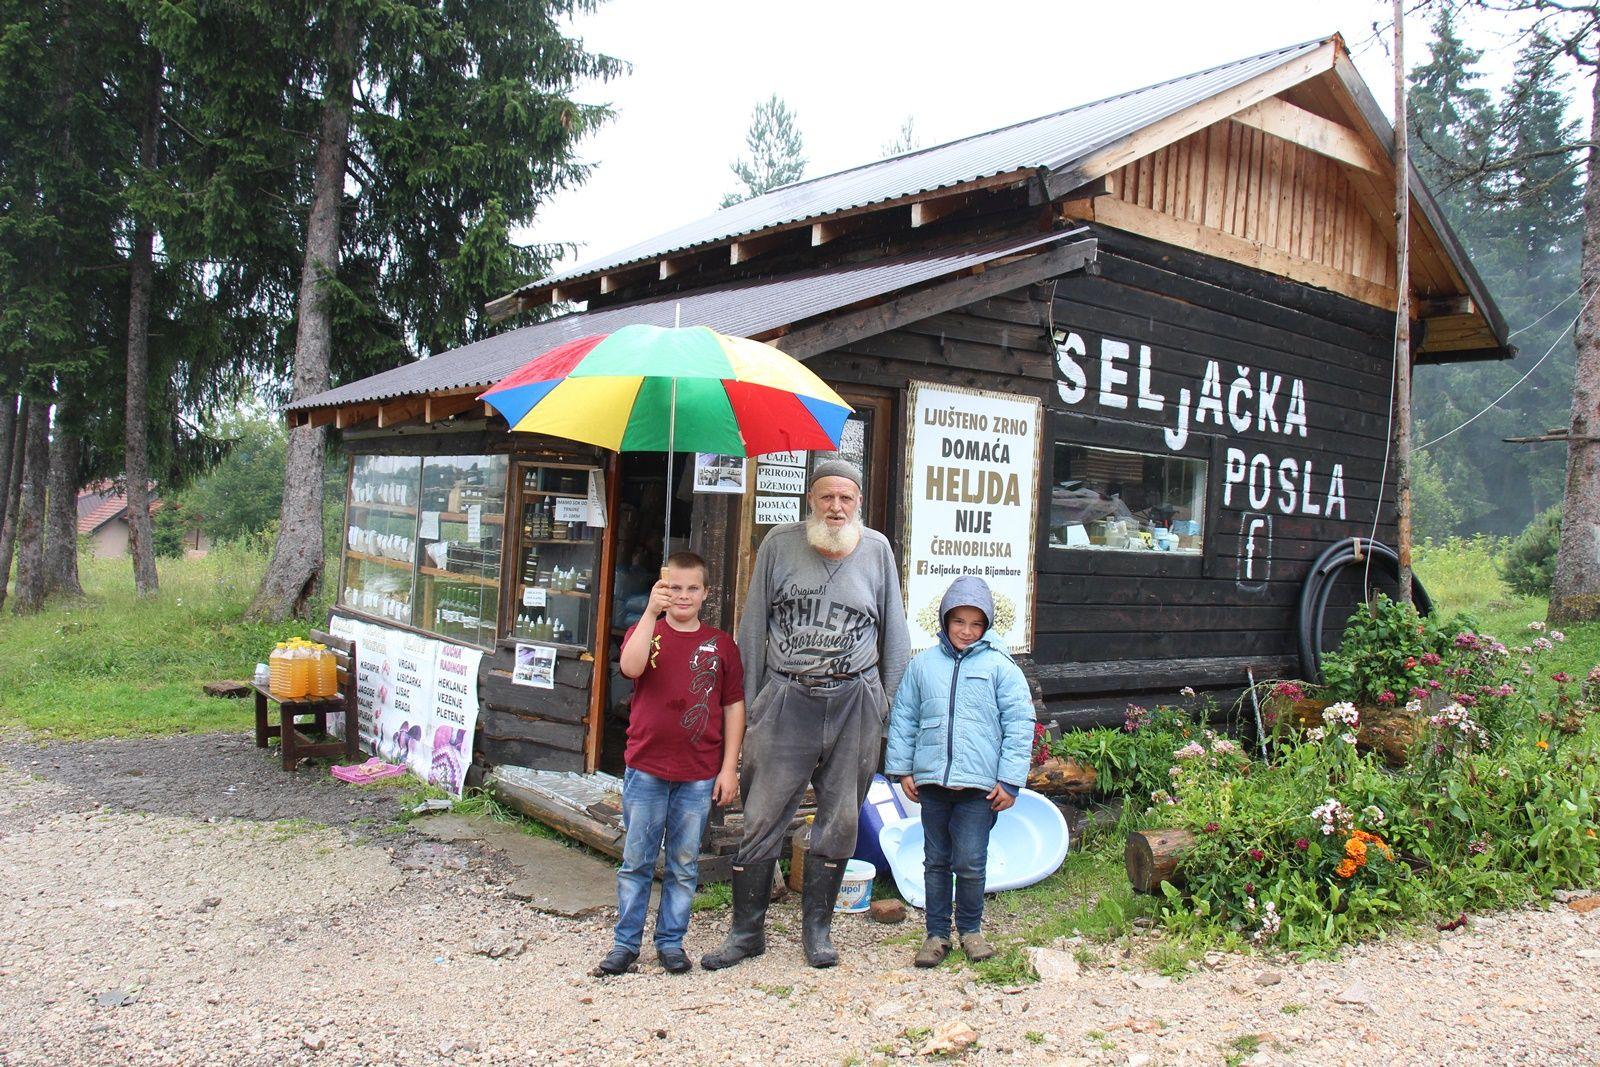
[715, 472]
[429, 530]
[784, 459]
[780, 480]
[597, 499]
[534, 596]
[571, 509]
[772, 510]
[474, 523]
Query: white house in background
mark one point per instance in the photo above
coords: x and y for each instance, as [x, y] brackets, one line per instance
[103, 518]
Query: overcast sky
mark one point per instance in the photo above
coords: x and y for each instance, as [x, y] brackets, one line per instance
[854, 71]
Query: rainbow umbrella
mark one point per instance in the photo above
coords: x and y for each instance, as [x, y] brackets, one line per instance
[658, 389]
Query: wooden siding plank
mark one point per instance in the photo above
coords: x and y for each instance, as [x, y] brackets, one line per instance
[1160, 227]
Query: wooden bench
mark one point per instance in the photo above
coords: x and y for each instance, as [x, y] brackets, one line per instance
[295, 746]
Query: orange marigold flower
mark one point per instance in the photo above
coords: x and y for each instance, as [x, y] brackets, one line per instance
[1541, 744]
[1373, 839]
[1346, 868]
[1356, 849]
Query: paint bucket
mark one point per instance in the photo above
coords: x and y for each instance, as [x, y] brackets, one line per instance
[855, 889]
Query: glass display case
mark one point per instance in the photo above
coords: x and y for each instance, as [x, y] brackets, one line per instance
[380, 536]
[460, 534]
[557, 557]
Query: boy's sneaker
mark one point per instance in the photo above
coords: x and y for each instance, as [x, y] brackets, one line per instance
[933, 952]
[673, 960]
[617, 961]
[976, 947]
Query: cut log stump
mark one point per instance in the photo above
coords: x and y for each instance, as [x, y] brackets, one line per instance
[1390, 732]
[1153, 856]
[227, 688]
[1056, 776]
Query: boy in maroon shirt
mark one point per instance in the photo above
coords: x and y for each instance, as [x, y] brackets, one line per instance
[685, 725]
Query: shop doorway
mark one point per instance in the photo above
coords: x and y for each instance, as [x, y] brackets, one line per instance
[640, 527]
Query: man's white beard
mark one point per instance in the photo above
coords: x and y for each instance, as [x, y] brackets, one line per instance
[834, 540]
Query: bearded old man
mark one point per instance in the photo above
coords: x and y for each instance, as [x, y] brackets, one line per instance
[824, 641]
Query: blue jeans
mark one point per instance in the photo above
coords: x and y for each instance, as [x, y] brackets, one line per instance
[955, 834]
[653, 810]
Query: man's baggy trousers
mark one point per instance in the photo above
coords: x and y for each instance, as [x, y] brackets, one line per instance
[829, 737]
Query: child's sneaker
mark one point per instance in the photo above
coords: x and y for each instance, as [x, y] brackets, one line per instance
[617, 961]
[673, 960]
[976, 947]
[932, 952]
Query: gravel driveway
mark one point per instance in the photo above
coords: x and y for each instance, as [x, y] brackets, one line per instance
[182, 900]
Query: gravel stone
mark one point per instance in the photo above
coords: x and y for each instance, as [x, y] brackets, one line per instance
[110, 878]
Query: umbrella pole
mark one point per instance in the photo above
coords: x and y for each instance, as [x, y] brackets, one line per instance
[672, 430]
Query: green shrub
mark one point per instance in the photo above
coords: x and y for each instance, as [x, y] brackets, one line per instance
[1530, 561]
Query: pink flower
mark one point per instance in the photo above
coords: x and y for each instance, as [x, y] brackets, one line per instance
[1466, 639]
[1418, 692]
[1301, 844]
[1557, 636]
[1386, 697]
[1211, 827]
[1411, 661]
[1250, 887]
[1433, 683]
[1430, 659]
[1288, 691]
[1561, 676]
[1257, 855]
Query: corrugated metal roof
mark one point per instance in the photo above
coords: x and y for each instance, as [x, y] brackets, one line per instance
[1049, 142]
[743, 309]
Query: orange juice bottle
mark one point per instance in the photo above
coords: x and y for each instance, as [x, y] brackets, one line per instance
[327, 673]
[279, 666]
[299, 671]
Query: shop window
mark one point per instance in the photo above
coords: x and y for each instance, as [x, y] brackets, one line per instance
[1107, 499]
[460, 531]
[381, 535]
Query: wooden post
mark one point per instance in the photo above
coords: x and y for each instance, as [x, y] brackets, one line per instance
[1152, 856]
[1402, 284]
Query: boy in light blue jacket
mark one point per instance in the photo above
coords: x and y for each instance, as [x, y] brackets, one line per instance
[961, 742]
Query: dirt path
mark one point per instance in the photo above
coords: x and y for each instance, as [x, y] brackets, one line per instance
[213, 909]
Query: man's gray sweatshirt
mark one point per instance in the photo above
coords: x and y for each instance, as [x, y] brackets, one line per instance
[805, 614]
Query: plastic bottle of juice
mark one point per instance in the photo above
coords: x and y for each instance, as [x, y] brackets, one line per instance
[327, 673]
[299, 671]
[279, 670]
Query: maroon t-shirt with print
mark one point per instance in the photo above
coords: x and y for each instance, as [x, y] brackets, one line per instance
[675, 717]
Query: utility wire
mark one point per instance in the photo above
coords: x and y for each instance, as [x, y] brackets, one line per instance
[1493, 403]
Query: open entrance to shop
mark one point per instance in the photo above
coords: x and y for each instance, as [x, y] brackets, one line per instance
[640, 527]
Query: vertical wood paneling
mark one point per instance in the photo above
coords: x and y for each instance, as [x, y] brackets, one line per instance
[1238, 180]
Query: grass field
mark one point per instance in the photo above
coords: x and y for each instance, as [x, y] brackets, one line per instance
[113, 664]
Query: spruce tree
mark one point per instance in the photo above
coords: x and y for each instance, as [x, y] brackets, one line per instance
[777, 152]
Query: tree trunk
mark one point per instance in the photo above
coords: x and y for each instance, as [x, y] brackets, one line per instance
[1575, 590]
[11, 489]
[61, 516]
[136, 411]
[295, 572]
[1390, 732]
[8, 434]
[30, 511]
[1152, 856]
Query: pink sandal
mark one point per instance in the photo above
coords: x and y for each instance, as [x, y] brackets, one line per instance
[370, 771]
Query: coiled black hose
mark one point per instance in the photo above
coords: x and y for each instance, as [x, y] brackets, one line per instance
[1319, 584]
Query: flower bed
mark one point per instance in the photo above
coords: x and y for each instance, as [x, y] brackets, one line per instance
[1322, 842]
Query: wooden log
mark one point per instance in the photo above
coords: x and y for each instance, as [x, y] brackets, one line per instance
[227, 688]
[1056, 776]
[1390, 732]
[1152, 857]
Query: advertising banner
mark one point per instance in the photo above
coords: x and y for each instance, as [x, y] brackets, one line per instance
[417, 699]
[971, 498]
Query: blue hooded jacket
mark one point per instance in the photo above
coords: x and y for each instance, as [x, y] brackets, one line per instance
[962, 719]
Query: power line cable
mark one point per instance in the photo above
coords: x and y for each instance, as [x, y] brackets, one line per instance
[1495, 402]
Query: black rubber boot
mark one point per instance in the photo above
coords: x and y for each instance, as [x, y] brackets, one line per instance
[752, 889]
[821, 892]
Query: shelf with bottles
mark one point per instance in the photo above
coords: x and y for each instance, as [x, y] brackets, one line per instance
[382, 561]
[388, 483]
[458, 609]
[458, 576]
[392, 509]
[553, 625]
[543, 522]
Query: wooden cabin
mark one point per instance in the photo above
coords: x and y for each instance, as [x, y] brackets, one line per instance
[1131, 361]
